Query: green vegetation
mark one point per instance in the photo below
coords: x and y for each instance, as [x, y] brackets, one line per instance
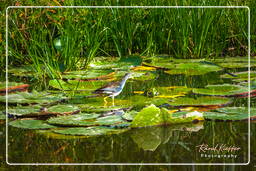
[57, 40]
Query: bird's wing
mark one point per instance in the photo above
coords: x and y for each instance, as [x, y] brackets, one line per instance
[109, 87]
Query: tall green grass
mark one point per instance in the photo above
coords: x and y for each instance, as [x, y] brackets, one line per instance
[86, 33]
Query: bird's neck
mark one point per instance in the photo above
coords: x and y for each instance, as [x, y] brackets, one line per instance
[123, 81]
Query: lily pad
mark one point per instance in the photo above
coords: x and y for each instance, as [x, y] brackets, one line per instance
[24, 110]
[95, 74]
[203, 101]
[109, 120]
[185, 117]
[143, 68]
[236, 64]
[74, 85]
[221, 90]
[82, 119]
[143, 76]
[32, 98]
[129, 116]
[90, 131]
[104, 62]
[193, 69]
[63, 108]
[241, 76]
[31, 124]
[231, 114]
[148, 116]
[237, 110]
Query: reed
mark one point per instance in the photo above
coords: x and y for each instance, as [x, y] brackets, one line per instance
[58, 40]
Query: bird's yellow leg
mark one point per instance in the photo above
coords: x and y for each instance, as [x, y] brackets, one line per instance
[105, 99]
[113, 101]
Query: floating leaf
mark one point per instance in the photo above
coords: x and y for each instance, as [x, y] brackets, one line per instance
[236, 64]
[148, 116]
[33, 97]
[221, 90]
[31, 124]
[109, 120]
[63, 108]
[200, 101]
[24, 110]
[185, 117]
[74, 85]
[143, 68]
[129, 116]
[95, 74]
[241, 76]
[237, 110]
[90, 131]
[82, 119]
[143, 76]
[193, 69]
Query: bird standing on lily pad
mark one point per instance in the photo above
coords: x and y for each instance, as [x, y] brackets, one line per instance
[113, 89]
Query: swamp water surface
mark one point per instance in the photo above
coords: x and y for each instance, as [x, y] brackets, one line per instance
[166, 110]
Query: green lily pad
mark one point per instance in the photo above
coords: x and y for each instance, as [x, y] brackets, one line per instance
[90, 108]
[31, 124]
[88, 74]
[231, 113]
[236, 64]
[33, 97]
[82, 119]
[24, 110]
[184, 66]
[109, 120]
[74, 85]
[221, 90]
[90, 131]
[104, 62]
[63, 108]
[129, 116]
[185, 117]
[237, 110]
[230, 59]
[241, 76]
[143, 76]
[148, 116]
[227, 116]
[200, 101]
[193, 69]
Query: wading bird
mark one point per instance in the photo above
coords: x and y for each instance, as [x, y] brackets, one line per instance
[112, 89]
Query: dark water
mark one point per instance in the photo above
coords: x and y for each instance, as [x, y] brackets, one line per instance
[159, 144]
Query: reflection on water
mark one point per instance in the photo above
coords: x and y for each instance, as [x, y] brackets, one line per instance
[161, 144]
